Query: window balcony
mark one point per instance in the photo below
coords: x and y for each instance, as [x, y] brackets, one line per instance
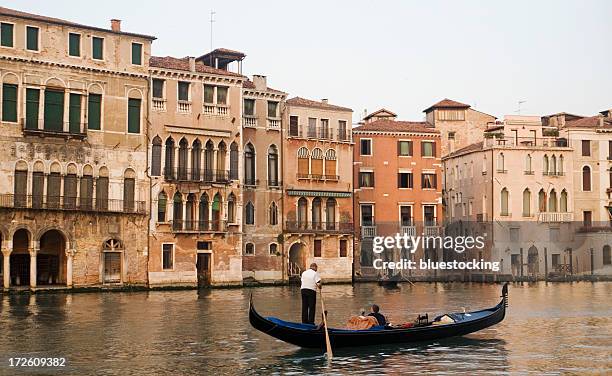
[553, 173]
[159, 104]
[320, 133]
[432, 230]
[526, 142]
[37, 128]
[64, 203]
[317, 177]
[274, 123]
[215, 109]
[274, 184]
[251, 182]
[368, 231]
[555, 217]
[180, 174]
[196, 226]
[408, 230]
[249, 122]
[183, 107]
[319, 227]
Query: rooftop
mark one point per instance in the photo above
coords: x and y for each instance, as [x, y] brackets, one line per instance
[467, 149]
[248, 84]
[382, 112]
[323, 105]
[169, 62]
[590, 122]
[384, 125]
[447, 103]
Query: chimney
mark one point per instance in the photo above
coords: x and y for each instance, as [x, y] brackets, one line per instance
[116, 25]
[324, 100]
[192, 64]
[260, 82]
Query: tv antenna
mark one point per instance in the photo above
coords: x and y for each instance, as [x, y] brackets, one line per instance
[212, 20]
[518, 111]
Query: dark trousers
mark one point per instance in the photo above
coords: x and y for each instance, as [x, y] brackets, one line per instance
[309, 303]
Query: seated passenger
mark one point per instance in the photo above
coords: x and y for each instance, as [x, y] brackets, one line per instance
[376, 314]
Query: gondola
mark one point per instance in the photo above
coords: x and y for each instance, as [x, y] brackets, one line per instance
[310, 336]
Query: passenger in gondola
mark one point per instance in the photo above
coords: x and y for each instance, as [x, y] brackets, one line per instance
[379, 316]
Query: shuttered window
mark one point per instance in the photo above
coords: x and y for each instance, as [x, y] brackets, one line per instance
[128, 194]
[343, 248]
[74, 114]
[317, 248]
[86, 192]
[156, 158]
[133, 115]
[21, 188]
[74, 44]
[54, 181]
[404, 148]
[234, 161]
[54, 110]
[94, 111]
[6, 34]
[136, 53]
[32, 38]
[97, 46]
[32, 102]
[428, 149]
[9, 102]
[102, 193]
[70, 191]
[38, 183]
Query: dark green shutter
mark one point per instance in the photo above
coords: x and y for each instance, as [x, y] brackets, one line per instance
[32, 38]
[94, 111]
[9, 102]
[136, 53]
[54, 110]
[32, 101]
[6, 35]
[74, 44]
[98, 48]
[74, 114]
[133, 115]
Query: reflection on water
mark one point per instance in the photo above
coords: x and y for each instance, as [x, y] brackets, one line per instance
[549, 329]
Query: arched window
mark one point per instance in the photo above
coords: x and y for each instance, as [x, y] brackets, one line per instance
[21, 183]
[303, 164]
[501, 163]
[70, 187]
[190, 208]
[203, 220]
[86, 188]
[545, 165]
[273, 249]
[112, 245]
[162, 201]
[249, 249]
[231, 208]
[607, 257]
[102, 189]
[542, 201]
[273, 214]
[302, 212]
[528, 169]
[234, 161]
[484, 165]
[221, 153]
[560, 166]
[527, 203]
[177, 211]
[196, 160]
[182, 161]
[249, 164]
[273, 166]
[504, 202]
[249, 213]
[216, 212]
[316, 163]
[129, 190]
[38, 183]
[553, 165]
[586, 178]
[552, 201]
[156, 150]
[316, 216]
[169, 160]
[563, 202]
[330, 213]
[54, 183]
[209, 153]
[330, 164]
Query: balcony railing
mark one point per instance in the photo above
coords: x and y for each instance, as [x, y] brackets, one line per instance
[274, 123]
[368, 231]
[71, 204]
[323, 133]
[527, 142]
[315, 227]
[159, 104]
[249, 122]
[215, 109]
[183, 107]
[555, 217]
[553, 173]
[318, 177]
[408, 230]
[196, 175]
[197, 226]
[36, 127]
[430, 230]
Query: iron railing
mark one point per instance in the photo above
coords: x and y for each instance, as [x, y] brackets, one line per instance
[323, 133]
[36, 202]
[197, 226]
[329, 227]
[196, 175]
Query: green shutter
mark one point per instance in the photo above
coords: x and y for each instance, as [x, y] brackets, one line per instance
[9, 102]
[74, 114]
[6, 35]
[136, 53]
[98, 48]
[94, 111]
[32, 100]
[32, 38]
[74, 44]
[133, 115]
[54, 110]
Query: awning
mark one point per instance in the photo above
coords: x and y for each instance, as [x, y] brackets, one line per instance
[292, 192]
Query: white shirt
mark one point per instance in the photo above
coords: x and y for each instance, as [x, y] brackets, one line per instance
[310, 278]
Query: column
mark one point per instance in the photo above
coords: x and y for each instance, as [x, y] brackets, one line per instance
[33, 252]
[6, 253]
[214, 164]
[70, 256]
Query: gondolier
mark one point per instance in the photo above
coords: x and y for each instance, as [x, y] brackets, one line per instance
[310, 282]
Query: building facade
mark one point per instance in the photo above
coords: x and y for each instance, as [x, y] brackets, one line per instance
[73, 126]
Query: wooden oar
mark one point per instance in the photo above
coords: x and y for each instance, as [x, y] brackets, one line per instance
[327, 342]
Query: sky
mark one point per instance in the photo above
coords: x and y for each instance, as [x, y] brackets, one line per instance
[401, 55]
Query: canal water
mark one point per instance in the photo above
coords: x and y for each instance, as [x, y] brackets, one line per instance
[549, 329]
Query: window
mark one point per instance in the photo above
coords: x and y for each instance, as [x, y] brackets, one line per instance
[405, 215]
[136, 53]
[563, 202]
[343, 248]
[528, 169]
[32, 38]
[316, 163]
[97, 48]
[272, 109]
[32, 106]
[293, 126]
[273, 249]
[221, 95]
[586, 148]
[273, 166]
[451, 115]
[74, 44]
[250, 213]
[156, 150]
[303, 162]
[330, 164]
[556, 260]
[404, 148]
[324, 131]
[9, 102]
[552, 201]
[94, 111]
[607, 257]
[249, 107]
[183, 91]
[526, 203]
[38, 182]
[429, 214]
[542, 201]
[234, 161]
[231, 208]
[330, 213]
[133, 115]
[249, 164]
[587, 218]
[586, 178]
[317, 247]
[204, 245]
[102, 190]
[312, 127]
[249, 249]
[451, 135]
[428, 149]
[167, 256]
[342, 135]
[21, 184]
[209, 94]
[366, 179]
[609, 150]
[404, 180]
[273, 216]
[162, 201]
[501, 163]
[6, 34]
[129, 187]
[365, 146]
[158, 88]
[504, 202]
[54, 110]
[367, 215]
[74, 113]
[429, 181]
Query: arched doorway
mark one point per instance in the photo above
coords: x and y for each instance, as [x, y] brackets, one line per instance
[297, 259]
[112, 250]
[533, 264]
[216, 213]
[51, 259]
[20, 259]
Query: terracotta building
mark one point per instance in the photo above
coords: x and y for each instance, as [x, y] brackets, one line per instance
[398, 186]
[318, 188]
[74, 193]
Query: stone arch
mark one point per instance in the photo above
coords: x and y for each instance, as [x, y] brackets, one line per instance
[51, 258]
[95, 88]
[55, 168]
[297, 258]
[134, 93]
[103, 171]
[71, 168]
[10, 78]
[39, 166]
[21, 165]
[87, 170]
[21, 238]
[55, 82]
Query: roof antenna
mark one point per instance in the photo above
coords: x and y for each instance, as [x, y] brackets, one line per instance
[518, 111]
[212, 20]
